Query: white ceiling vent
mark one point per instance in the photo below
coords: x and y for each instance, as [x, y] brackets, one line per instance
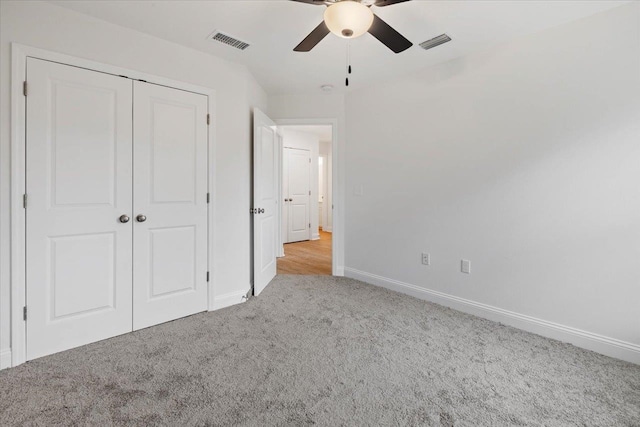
[436, 41]
[228, 40]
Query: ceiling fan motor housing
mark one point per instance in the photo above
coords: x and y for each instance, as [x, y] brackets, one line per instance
[352, 18]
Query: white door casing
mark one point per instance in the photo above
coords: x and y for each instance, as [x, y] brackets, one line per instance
[324, 221]
[298, 175]
[285, 196]
[170, 191]
[78, 181]
[265, 200]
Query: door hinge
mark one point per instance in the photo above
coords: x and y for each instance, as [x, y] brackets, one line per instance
[309, 159]
[24, 88]
[207, 276]
[309, 225]
[208, 118]
[24, 201]
[309, 192]
[208, 197]
[24, 313]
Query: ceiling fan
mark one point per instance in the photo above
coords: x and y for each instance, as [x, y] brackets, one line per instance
[350, 19]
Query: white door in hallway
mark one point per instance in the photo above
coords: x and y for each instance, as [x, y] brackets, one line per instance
[297, 190]
[79, 203]
[265, 200]
[170, 204]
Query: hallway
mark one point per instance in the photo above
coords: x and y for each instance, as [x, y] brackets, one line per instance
[308, 257]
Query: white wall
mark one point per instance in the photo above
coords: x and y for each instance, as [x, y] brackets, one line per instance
[320, 106]
[310, 142]
[47, 26]
[524, 159]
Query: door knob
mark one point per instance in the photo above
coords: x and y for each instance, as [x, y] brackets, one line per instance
[141, 218]
[124, 219]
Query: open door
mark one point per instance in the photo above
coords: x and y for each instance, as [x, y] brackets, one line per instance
[265, 200]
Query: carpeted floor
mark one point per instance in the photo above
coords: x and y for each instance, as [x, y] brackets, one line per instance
[327, 351]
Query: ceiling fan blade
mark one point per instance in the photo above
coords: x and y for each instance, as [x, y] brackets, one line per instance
[382, 3]
[388, 36]
[313, 38]
[316, 2]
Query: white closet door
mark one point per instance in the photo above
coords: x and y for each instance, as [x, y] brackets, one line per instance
[78, 183]
[299, 175]
[170, 204]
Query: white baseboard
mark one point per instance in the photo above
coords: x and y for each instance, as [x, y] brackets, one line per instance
[328, 229]
[339, 271]
[600, 344]
[5, 359]
[229, 299]
[315, 236]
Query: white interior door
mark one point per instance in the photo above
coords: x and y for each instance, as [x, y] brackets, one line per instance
[265, 200]
[78, 181]
[298, 175]
[170, 204]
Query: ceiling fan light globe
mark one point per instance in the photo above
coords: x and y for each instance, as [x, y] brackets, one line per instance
[348, 19]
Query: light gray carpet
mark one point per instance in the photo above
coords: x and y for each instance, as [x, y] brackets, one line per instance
[326, 351]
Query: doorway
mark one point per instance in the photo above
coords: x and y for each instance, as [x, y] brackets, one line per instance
[306, 202]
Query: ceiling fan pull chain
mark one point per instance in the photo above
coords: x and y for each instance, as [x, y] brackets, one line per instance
[346, 81]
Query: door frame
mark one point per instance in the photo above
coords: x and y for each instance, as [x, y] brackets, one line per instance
[18, 285]
[337, 239]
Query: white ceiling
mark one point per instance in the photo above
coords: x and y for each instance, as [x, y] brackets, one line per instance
[274, 28]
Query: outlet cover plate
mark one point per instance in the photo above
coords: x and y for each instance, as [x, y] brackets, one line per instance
[465, 266]
[426, 258]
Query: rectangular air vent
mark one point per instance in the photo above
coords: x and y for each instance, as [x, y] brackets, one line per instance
[228, 40]
[436, 41]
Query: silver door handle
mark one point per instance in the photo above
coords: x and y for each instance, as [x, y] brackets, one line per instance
[124, 219]
[141, 218]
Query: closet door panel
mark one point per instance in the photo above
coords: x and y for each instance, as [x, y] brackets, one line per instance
[170, 206]
[79, 184]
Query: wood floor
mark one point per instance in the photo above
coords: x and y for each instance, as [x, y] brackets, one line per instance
[310, 257]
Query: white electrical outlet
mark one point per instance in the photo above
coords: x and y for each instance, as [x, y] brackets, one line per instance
[465, 266]
[426, 259]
